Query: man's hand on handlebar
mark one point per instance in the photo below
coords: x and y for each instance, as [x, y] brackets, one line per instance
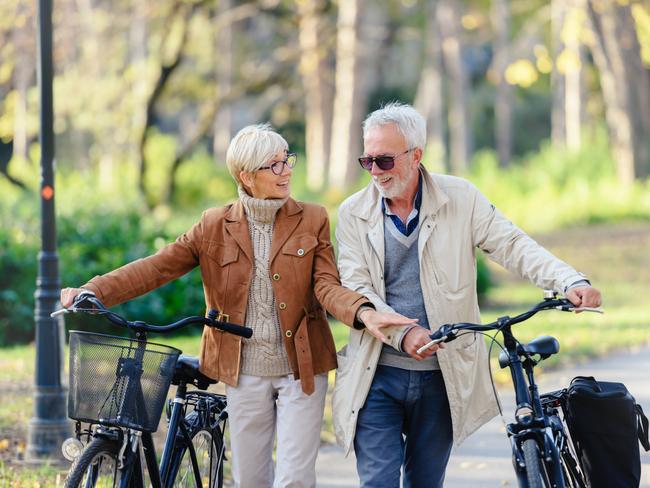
[584, 297]
[415, 339]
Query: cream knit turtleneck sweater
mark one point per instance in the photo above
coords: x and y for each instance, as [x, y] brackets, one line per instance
[264, 353]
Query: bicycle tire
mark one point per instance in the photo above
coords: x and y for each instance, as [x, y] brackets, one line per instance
[210, 453]
[91, 469]
[533, 461]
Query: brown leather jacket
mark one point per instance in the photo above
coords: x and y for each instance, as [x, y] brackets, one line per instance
[303, 273]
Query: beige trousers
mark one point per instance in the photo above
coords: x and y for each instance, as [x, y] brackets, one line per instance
[258, 408]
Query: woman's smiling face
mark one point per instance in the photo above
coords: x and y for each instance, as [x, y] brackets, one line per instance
[264, 184]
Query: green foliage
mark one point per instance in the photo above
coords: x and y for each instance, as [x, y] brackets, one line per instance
[556, 188]
[17, 279]
[201, 183]
[483, 278]
[100, 227]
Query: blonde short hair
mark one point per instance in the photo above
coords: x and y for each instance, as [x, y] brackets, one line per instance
[253, 147]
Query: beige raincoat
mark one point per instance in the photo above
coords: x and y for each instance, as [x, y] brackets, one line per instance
[455, 220]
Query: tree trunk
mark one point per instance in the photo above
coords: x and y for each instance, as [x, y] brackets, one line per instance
[638, 81]
[558, 86]
[429, 95]
[316, 75]
[613, 52]
[503, 101]
[570, 61]
[138, 53]
[22, 80]
[224, 72]
[460, 144]
[349, 100]
[164, 74]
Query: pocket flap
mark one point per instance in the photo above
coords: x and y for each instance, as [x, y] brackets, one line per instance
[300, 245]
[223, 254]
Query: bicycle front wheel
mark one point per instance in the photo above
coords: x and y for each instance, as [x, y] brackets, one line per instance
[96, 466]
[534, 464]
[204, 462]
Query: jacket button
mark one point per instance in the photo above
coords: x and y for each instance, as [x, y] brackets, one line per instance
[282, 305]
[301, 251]
[288, 333]
[276, 276]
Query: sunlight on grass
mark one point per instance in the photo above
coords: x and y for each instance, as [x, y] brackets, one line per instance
[17, 364]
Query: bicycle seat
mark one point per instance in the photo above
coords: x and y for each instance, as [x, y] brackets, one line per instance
[545, 346]
[187, 371]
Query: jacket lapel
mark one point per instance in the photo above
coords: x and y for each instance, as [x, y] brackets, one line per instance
[286, 221]
[237, 227]
[368, 208]
[376, 239]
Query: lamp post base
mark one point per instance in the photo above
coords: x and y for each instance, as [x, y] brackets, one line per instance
[44, 439]
[49, 427]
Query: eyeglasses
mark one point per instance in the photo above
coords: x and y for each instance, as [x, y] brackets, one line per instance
[383, 162]
[277, 167]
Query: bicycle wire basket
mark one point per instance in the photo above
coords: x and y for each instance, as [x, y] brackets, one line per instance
[119, 381]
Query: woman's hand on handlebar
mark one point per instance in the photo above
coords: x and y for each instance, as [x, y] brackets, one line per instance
[69, 294]
[584, 297]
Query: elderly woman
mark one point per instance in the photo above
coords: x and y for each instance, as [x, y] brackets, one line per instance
[266, 262]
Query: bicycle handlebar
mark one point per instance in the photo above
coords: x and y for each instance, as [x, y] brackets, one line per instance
[97, 307]
[448, 332]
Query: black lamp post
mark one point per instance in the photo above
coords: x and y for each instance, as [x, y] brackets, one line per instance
[49, 425]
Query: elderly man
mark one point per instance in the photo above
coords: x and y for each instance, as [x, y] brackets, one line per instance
[408, 242]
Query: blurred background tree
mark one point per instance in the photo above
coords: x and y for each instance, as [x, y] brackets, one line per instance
[535, 101]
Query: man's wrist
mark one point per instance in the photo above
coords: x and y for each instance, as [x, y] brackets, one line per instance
[582, 282]
[402, 336]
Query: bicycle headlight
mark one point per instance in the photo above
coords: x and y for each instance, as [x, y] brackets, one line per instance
[71, 448]
[524, 415]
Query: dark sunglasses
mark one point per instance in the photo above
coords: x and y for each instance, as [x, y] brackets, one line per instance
[278, 166]
[383, 162]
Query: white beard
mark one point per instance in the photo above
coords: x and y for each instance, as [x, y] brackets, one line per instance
[396, 189]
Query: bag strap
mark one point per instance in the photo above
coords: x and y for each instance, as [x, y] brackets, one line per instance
[642, 428]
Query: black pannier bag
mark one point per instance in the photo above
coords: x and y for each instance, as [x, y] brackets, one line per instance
[606, 425]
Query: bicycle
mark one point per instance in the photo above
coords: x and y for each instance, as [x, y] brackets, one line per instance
[118, 386]
[542, 452]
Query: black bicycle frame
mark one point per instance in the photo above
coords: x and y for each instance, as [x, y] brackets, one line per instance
[527, 397]
[159, 475]
[175, 419]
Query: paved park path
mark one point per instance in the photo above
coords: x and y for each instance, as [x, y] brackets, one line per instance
[484, 459]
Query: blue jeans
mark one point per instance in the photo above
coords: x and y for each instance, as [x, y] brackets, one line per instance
[405, 420]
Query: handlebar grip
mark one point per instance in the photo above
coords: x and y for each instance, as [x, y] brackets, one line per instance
[233, 329]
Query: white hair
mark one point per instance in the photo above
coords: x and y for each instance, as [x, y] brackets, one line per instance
[407, 120]
[253, 147]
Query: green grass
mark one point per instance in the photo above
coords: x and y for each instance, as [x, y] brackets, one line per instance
[17, 476]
